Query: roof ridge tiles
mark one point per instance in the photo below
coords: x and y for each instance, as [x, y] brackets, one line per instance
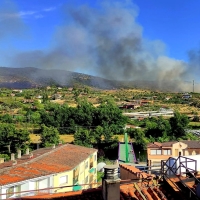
[29, 161]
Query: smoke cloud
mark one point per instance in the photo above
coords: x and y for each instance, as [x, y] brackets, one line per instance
[108, 42]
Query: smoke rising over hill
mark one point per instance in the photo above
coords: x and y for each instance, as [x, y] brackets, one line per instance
[108, 42]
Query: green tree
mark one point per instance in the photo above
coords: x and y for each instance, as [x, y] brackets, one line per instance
[14, 138]
[83, 137]
[109, 115]
[21, 139]
[138, 136]
[84, 114]
[157, 128]
[35, 117]
[6, 118]
[179, 124]
[49, 136]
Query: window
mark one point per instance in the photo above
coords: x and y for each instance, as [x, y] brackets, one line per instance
[156, 152]
[95, 157]
[63, 180]
[9, 192]
[86, 165]
[18, 189]
[86, 179]
[42, 184]
[167, 152]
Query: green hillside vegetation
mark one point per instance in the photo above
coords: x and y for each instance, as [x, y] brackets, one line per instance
[90, 117]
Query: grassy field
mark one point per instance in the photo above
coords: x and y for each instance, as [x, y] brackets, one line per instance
[35, 138]
[195, 124]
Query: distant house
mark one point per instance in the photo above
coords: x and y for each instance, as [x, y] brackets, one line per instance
[17, 91]
[162, 151]
[56, 96]
[39, 97]
[129, 106]
[186, 96]
[168, 98]
[145, 102]
[131, 126]
[28, 101]
[64, 165]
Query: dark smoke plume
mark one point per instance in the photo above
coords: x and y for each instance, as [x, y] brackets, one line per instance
[108, 42]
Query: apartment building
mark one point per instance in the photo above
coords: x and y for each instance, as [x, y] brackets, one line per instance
[57, 169]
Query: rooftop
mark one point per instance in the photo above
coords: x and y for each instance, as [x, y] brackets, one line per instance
[43, 162]
[191, 144]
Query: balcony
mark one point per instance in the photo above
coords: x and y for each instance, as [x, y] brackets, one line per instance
[92, 170]
[77, 187]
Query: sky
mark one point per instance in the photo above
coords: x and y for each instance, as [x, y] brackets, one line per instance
[155, 40]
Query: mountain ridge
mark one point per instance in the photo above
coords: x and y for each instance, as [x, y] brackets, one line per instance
[29, 77]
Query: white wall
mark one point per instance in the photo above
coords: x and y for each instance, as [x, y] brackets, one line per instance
[41, 182]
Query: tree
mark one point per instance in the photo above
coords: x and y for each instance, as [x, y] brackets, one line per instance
[83, 137]
[6, 118]
[138, 135]
[14, 138]
[84, 115]
[109, 115]
[21, 139]
[35, 117]
[179, 124]
[157, 128]
[49, 136]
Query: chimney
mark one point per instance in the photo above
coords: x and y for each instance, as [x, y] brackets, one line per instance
[14, 162]
[8, 148]
[12, 156]
[19, 153]
[1, 160]
[31, 155]
[27, 151]
[111, 183]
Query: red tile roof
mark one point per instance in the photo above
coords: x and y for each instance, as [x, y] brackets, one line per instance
[44, 162]
[140, 174]
[193, 144]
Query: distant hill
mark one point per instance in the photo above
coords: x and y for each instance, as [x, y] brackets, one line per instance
[22, 78]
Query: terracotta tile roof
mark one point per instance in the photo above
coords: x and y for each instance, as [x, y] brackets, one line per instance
[193, 144]
[168, 144]
[44, 162]
[154, 144]
[140, 174]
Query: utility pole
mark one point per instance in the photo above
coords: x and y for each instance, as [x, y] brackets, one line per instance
[193, 86]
